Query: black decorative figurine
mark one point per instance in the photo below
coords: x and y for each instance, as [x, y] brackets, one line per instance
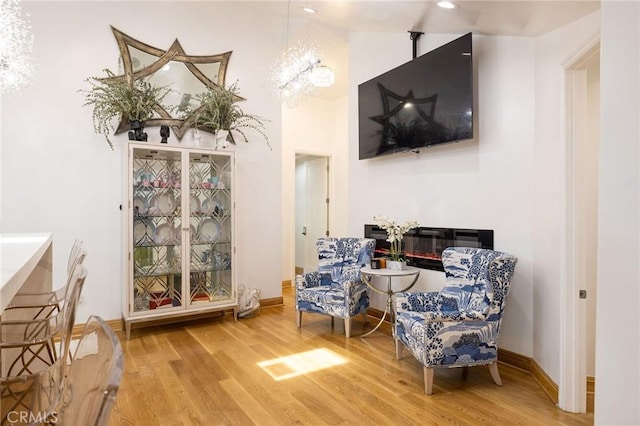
[137, 133]
[164, 133]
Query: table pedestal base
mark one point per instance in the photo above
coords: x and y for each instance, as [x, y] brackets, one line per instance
[367, 273]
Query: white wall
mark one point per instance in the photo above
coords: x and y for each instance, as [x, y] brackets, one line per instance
[552, 51]
[587, 162]
[618, 326]
[58, 176]
[315, 126]
[1, 227]
[300, 213]
[485, 183]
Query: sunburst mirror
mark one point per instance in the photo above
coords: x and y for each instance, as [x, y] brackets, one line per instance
[186, 76]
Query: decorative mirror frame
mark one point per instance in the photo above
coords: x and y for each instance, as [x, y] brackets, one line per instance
[174, 53]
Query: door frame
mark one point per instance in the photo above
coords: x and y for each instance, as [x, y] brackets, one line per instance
[572, 386]
[330, 177]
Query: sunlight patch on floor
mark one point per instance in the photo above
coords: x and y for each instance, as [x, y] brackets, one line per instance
[295, 365]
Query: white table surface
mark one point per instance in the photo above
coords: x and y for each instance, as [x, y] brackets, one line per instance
[385, 272]
[19, 256]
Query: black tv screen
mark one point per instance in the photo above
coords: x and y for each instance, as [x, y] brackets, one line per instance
[424, 102]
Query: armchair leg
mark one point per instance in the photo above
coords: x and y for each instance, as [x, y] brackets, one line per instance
[465, 373]
[428, 379]
[493, 369]
[365, 317]
[398, 349]
[347, 327]
[299, 318]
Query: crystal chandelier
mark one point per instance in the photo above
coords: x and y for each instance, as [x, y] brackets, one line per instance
[322, 76]
[16, 44]
[300, 70]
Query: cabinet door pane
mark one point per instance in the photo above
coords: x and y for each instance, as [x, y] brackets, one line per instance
[156, 210]
[210, 206]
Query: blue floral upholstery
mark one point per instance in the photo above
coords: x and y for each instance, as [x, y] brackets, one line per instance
[459, 326]
[336, 288]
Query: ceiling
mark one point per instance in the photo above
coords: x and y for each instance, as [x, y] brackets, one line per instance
[493, 17]
[514, 18]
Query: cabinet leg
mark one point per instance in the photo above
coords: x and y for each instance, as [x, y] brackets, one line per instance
[127, 329]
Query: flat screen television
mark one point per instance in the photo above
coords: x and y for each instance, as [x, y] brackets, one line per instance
[424, 102]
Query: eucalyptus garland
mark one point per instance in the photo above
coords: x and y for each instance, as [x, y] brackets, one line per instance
[113, 96]
[218, 110]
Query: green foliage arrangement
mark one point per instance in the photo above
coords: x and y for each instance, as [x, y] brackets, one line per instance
[218, 110]
[113, 97]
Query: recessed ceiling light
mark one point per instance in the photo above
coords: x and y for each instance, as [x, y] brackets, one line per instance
[447, 5]
[309, 10]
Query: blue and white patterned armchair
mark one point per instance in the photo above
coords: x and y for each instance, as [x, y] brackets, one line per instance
[336, 288]
[458, 326]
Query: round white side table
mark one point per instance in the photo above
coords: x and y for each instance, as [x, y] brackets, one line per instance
[367, 273]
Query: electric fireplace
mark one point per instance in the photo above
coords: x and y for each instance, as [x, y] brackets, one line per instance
[422, 247]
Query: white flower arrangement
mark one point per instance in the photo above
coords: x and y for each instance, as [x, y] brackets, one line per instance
[395, 234]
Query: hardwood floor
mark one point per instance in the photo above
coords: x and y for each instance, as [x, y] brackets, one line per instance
[207, 372]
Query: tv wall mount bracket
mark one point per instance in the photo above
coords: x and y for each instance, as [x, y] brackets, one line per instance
[414, 36]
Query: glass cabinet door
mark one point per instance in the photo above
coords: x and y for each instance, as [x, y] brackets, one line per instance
[157, 224]
[210, 205]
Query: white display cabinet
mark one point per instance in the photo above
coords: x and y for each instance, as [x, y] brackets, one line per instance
[179, 233]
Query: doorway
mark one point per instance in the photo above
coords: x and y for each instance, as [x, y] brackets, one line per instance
[577, 352]
[311, 209]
